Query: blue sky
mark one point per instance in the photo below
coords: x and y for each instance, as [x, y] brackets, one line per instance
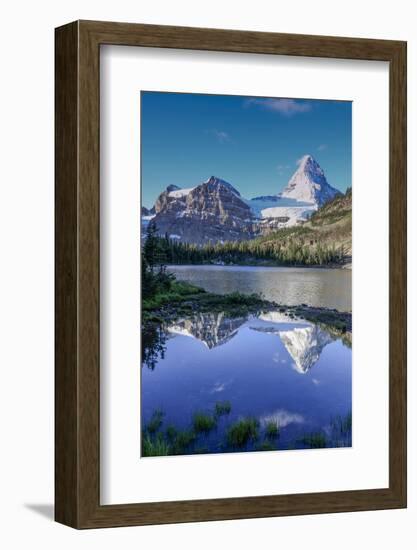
[251, 142]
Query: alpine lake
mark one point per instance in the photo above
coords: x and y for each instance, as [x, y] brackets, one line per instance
[267, 380]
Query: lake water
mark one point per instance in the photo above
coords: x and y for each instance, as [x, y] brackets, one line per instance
[330, 288]
[265, 368]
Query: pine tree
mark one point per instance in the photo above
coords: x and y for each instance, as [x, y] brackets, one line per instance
[151, 246]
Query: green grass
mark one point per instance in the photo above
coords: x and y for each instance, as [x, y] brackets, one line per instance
[242, 431]
[155, 446]
[155, 422]
[174, 441]
[183, 298]
[238, 299]
[182, 441]
[272, 429]
[178, 291]
[203, 422]
[316, 440]
[222, 407]
[184, 288]
[171, 433]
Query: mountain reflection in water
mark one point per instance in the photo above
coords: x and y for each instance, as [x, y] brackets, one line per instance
[303, 343]
[266, 368]
[213, 329]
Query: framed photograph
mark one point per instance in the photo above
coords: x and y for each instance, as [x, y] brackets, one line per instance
[230, 274]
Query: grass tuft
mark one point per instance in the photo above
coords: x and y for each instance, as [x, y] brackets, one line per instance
[182, 441]
[155, 446]
[315, 440]
[222, 407]
[203, 422]
[171, 433]
[155, 422]
[272, 429]
[243, 431]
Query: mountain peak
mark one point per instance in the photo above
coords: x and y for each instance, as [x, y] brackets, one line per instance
[309, 184]
[305, 158]
[308, 164]
[305, 346]
[213, 180]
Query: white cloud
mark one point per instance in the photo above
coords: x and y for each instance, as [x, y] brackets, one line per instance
[322, 147]
[282, 418]
[220, 386]
[221, 136]
[285, 107]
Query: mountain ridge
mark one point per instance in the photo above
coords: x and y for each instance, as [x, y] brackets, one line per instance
[215, 211]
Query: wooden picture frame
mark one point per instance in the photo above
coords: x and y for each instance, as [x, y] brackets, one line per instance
[77, 405]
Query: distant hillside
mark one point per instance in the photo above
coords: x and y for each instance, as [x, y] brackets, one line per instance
[326, 239]
[330, 226]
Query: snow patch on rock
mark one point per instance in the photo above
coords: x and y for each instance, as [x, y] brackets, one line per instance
[179, 193]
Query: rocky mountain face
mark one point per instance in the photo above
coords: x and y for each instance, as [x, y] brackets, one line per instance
[304, 344]
[214, 211]
[147, 211]
[213, 329]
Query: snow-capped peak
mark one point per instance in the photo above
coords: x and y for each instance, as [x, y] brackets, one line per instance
[308, 163]
[305, 345]
[309, 184]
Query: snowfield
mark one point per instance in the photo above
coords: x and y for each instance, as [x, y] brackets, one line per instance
[280, 207]
[178, 193]
[294, 213]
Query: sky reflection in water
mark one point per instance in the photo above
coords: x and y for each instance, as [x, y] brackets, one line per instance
[269, 367]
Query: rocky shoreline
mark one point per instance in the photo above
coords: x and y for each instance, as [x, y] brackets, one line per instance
[235, 304]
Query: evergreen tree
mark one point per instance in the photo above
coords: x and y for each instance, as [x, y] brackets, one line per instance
[151, 247]
[155, 252]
